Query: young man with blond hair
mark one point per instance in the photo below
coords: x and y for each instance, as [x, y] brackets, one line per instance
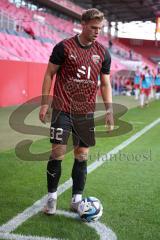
[77, 62]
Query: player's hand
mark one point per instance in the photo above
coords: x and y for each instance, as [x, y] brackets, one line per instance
[109, 121]
[42, 113]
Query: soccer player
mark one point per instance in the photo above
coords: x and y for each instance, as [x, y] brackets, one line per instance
[145, 86]
[157, 85]
[137, 78]
[77, 62]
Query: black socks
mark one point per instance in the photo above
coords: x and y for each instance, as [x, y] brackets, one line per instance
[79, 174]
[53, 174]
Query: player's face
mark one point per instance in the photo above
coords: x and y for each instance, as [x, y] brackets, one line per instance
[92, 29]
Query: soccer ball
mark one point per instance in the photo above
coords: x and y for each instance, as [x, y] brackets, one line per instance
[90, 209]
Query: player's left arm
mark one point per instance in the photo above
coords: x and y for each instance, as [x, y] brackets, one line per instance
[106, 91]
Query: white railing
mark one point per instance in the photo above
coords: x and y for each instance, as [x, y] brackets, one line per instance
[6, 22]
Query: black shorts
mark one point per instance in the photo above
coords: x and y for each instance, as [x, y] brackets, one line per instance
[81, 126]
[157, 89]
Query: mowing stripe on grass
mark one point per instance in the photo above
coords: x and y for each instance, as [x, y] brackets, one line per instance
[104, 232]
[37, 206]
[101, 229]
[12, 236]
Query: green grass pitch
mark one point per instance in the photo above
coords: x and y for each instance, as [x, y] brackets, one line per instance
[127, 185]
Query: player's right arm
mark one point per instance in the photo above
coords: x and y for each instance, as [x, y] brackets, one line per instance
[46, 87]
[55, 61]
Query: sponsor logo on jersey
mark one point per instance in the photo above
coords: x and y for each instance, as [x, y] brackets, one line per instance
[81, 71]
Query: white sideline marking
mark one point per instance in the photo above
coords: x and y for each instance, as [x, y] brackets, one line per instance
[104, 232]
[12, 236]
[12, 224]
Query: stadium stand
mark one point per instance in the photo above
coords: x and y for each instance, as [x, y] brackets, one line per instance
[147, 48]
[52, 30]
[29, 35]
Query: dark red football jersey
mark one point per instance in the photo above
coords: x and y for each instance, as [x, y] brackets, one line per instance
[76, 80]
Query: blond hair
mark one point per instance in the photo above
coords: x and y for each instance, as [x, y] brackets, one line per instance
[92, 13]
